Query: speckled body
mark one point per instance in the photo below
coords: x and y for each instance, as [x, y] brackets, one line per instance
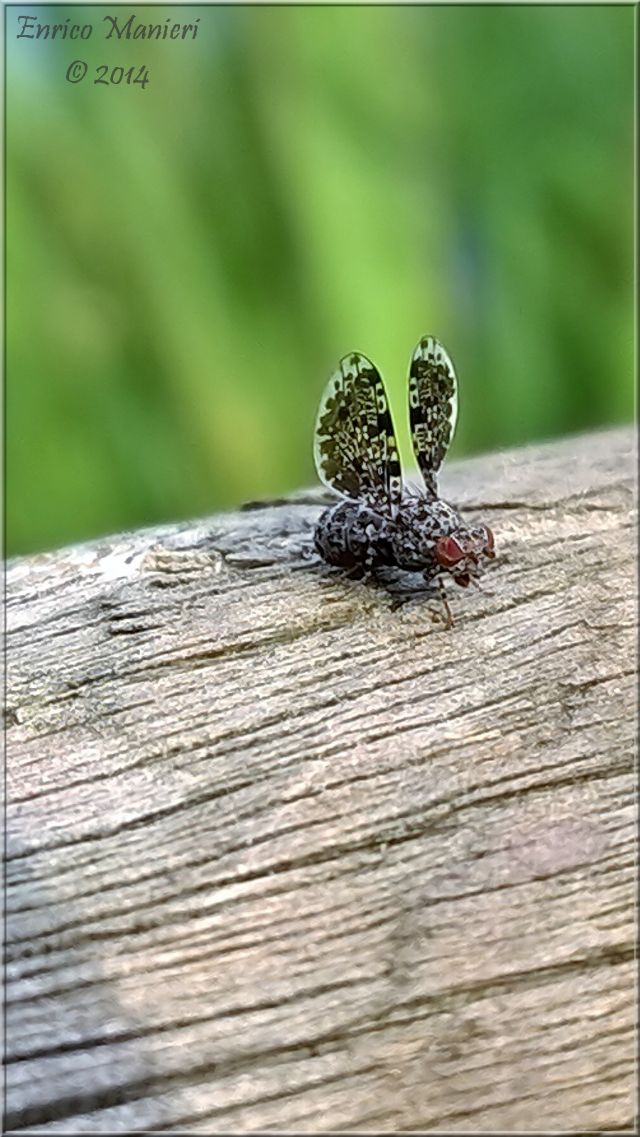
[355, 534]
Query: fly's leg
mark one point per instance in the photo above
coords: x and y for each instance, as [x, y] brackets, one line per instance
[432, 578]
[445, 603]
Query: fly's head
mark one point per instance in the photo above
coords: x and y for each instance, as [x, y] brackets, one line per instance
[464, 552]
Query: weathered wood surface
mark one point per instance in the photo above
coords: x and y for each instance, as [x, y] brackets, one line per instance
[285, 854]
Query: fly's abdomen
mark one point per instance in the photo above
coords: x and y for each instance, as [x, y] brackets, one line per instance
[351, 533]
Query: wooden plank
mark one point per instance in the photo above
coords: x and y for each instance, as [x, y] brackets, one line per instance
[286, 854]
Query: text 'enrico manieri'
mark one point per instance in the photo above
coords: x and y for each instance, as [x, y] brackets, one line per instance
[115, 27]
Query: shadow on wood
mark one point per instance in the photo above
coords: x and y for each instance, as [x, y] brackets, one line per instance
[286, 854]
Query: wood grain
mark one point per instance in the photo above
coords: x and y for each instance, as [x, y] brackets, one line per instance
[286, 854]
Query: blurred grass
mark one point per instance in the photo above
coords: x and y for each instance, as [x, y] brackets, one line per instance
[186, 264]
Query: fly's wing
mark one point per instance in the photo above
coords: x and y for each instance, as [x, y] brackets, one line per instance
[433, 407]
[355, 448]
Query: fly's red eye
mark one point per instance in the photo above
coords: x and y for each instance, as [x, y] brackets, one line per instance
[448, 552]
[489, 546]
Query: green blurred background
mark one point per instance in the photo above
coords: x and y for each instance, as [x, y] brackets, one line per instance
[186, 263]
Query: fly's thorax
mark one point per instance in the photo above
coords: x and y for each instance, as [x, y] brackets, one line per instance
[419, 523]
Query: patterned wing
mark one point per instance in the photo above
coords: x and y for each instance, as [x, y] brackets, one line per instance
[355, 448]
[433, 407]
